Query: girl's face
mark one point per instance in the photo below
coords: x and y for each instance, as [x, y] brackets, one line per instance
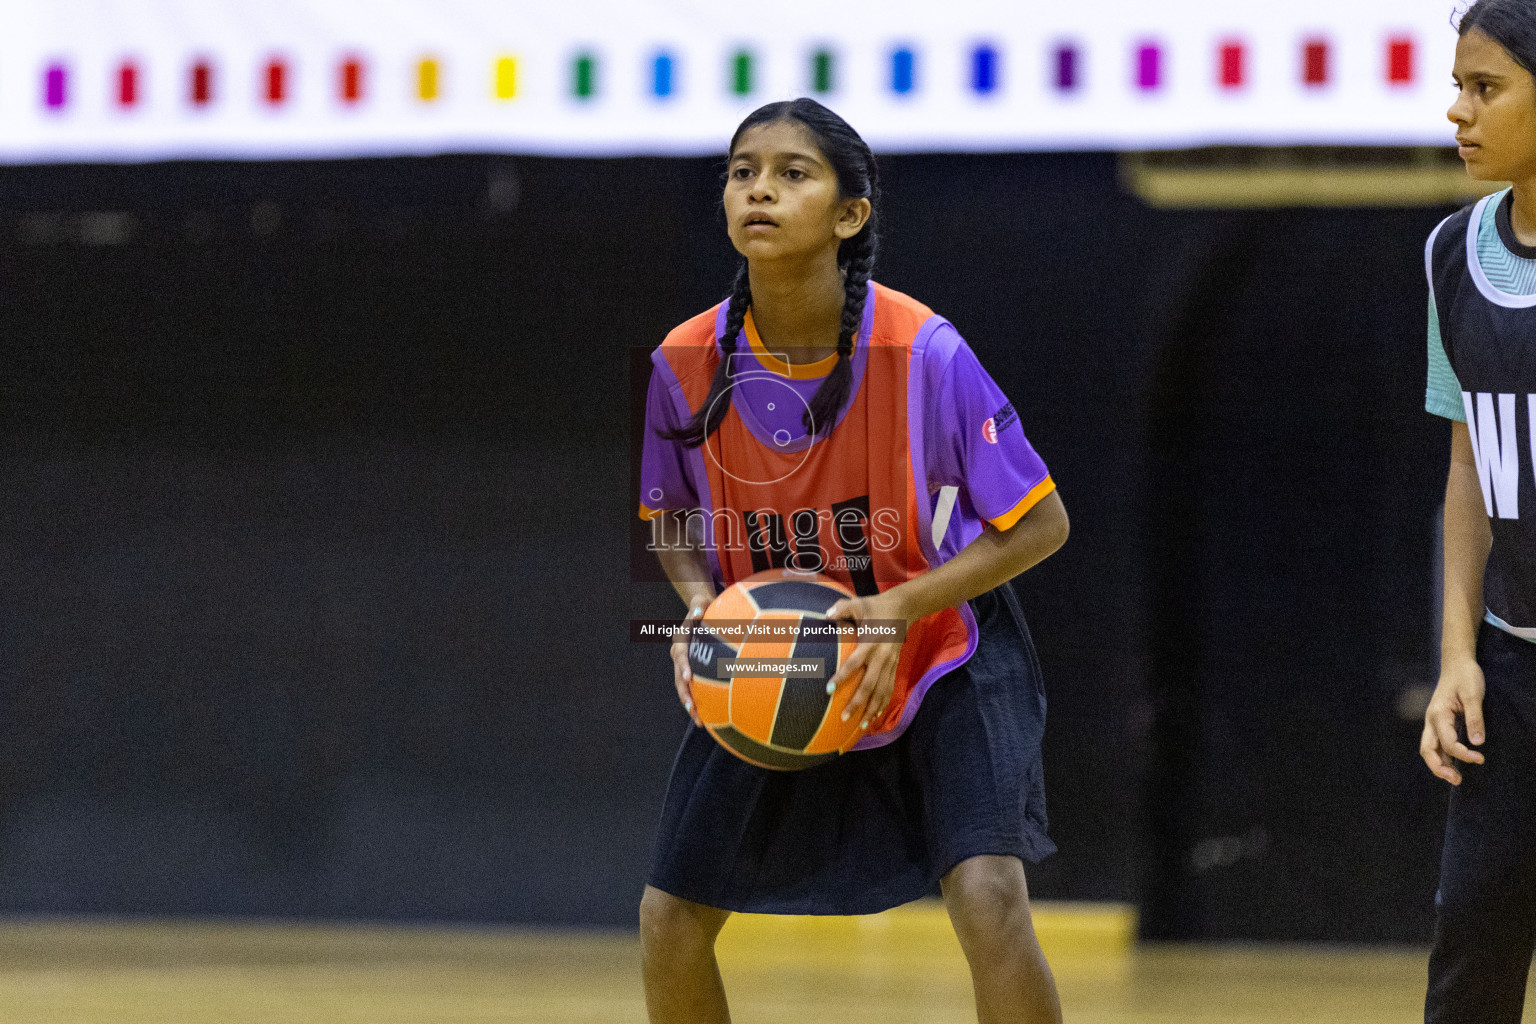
[1494, 112]
[782, 198]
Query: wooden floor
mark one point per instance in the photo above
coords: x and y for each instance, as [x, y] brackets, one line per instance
[898, 968]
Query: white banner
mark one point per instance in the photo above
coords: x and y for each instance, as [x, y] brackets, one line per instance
[157, 79]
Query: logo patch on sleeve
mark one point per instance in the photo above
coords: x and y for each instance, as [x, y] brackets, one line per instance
[997, 422]
[1004, 417]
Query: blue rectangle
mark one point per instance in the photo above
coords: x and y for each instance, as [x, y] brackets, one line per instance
[661, 75]
[903, 71]
[984, 70]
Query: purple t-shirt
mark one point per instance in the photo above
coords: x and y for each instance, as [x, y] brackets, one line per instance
[972, 440]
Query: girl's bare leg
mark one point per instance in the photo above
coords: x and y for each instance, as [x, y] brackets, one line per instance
[988, 904]
[677, 951]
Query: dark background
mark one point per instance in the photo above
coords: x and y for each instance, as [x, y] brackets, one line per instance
[315, 505]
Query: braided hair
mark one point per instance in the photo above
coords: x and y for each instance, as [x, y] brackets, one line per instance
[858, 177]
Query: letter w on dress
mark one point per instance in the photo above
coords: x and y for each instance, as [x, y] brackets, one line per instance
[1493, 444]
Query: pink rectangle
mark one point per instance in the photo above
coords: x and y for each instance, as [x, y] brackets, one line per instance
[127, 84]
[55, 86]
[1149, 66]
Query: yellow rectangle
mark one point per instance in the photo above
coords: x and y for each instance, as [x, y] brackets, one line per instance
[427, 75]
[506, 78]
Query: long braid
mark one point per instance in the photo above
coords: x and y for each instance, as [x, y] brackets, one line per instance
[718, 402]
[858, 259]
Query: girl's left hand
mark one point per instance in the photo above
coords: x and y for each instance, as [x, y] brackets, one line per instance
[877, 658]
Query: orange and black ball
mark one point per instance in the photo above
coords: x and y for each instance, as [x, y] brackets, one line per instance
[784, 722]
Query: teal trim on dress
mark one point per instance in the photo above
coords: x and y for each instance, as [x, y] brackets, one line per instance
[1510, 274]
[1443, 395]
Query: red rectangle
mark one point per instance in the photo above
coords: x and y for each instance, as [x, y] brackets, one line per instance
[202, 84]
[1314, 62]
[1233, 61]
[127, 84]
[276, 82]
[351, 80]
[1400, 61]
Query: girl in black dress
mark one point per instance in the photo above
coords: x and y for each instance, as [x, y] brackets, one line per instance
[957, 799]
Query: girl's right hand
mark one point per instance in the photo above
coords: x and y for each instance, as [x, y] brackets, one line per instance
[681, 676]
[1459, 692]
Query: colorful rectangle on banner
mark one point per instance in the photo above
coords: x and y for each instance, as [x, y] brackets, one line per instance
[1149, 67]
[663, 70]
[823, 71]
[276, 82]
[200, 83]
[428, 79]
[903, 71]
[741, 73]
[1068, 58]
[127, 84]
[584, 76]
[1400, 61]
[1315, 62]
[1233, 65]
[55, 86]
[351, 80]
[984, 70]
[506, 77]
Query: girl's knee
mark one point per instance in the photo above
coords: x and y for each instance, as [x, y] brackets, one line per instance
[671, 923]
[988, 882]
[987, 895]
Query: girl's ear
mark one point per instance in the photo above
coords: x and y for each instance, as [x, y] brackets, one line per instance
[854, 215]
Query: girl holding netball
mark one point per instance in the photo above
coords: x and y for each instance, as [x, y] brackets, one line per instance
[1480, 728]
[825, 423]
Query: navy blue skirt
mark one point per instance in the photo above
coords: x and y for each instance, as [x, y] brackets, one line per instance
[876, 828]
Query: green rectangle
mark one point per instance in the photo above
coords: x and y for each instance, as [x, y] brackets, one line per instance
[821, 71]
[741, 73]
[584, 81]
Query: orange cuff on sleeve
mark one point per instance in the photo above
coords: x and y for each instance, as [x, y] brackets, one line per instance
[647, 514]
[1029, 501]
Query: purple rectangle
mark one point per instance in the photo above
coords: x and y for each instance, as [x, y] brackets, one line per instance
[54, 82]
[1149, 66]
[1066, 68]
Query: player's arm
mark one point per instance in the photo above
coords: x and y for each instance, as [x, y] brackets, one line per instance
[687, 567]
[1460, 689]
[989, 561]
[685, 562]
